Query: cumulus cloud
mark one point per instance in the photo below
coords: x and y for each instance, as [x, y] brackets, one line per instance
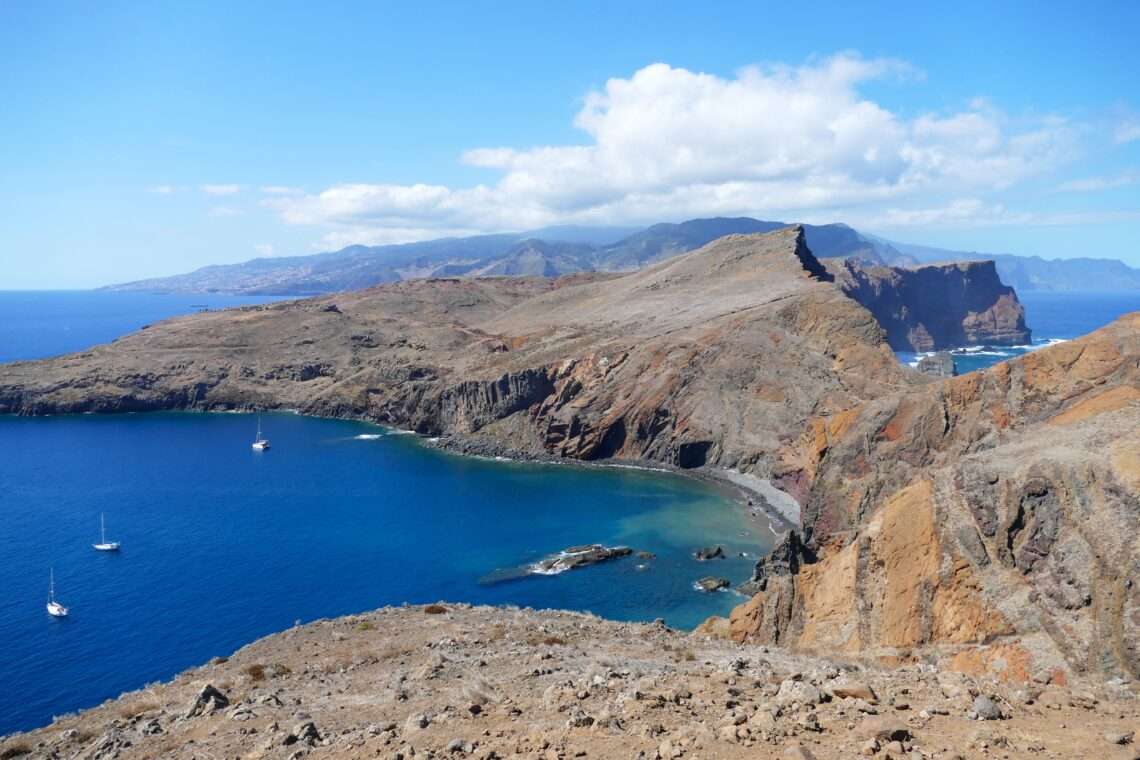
[220, 189]
[162, 189]
[224, 211]
[264, 249]
[672, 143]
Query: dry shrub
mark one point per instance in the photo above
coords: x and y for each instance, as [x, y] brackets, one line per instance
[255, 672]
[435, 609]
[135, 709]
[365, 626]
[16, 749]
[548, 640]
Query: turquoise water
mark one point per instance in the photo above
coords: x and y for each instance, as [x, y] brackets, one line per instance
[222, 544]
[1053, 317]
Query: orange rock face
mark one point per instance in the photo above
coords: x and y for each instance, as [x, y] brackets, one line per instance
[992, 520]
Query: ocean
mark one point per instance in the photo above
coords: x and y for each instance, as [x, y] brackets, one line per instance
[1053, 317]
[222, 544]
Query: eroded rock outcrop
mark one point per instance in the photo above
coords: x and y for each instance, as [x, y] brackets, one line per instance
[936, 306]
[993, 518]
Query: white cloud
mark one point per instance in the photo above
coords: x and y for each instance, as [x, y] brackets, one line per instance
[974, 213]
[669, 143]
[162, 189]
[224, 211]
[220, 189]
[263, 249]
[1094, 184]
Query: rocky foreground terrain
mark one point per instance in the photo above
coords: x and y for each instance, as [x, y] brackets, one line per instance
[451, 681]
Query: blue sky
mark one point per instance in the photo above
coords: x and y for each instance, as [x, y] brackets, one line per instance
[142, 139]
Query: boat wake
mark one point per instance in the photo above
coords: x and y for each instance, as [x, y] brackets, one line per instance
[368, 436]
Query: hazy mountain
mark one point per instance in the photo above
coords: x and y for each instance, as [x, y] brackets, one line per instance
[560, 250]
[1036, 273]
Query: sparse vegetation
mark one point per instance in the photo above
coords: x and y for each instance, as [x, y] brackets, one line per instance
[15, 750]
[365, 625]
[255, 672]
[435, 609]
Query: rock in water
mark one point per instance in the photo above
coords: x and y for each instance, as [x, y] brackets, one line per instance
[709, 552]
[579, 556]
[940, 364]
[711, 583]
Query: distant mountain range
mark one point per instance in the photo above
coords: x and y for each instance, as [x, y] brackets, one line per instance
[554, 251]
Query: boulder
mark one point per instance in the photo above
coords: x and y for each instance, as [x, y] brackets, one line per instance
[208, 701]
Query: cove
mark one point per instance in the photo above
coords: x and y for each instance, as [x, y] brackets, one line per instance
[222, 545]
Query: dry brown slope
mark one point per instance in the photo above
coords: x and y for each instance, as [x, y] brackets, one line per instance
[715, 357]
[994, 517]
[489, 682]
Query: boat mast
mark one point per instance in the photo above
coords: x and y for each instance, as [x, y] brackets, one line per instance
[102, 530]
[51, 585]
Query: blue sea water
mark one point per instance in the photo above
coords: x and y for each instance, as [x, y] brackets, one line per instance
[1053, 317]
[39, 323]
[222, 544]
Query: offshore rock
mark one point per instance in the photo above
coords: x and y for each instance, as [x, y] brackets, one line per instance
[936, 306]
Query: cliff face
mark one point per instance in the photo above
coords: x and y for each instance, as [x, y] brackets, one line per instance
[937, 306]
[993, 517]
[713, 357]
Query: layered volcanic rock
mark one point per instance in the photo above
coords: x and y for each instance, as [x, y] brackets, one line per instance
[994, 517]
[714, 357]
[936, 306]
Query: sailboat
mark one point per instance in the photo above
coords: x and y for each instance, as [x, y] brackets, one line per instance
[54, 608]
[104, 545]
[259, 443]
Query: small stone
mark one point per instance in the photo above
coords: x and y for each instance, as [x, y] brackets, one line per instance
[884, 728]
[870, 747]
[895, 748]
[1113, 737]
[986, 708]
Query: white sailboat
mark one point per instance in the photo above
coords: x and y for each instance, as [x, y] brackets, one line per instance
[104, 545]
[259, 443]
[54, 608]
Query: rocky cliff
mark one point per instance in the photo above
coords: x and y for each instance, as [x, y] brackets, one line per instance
[993, 519]
[715, 357]
[936, 306]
